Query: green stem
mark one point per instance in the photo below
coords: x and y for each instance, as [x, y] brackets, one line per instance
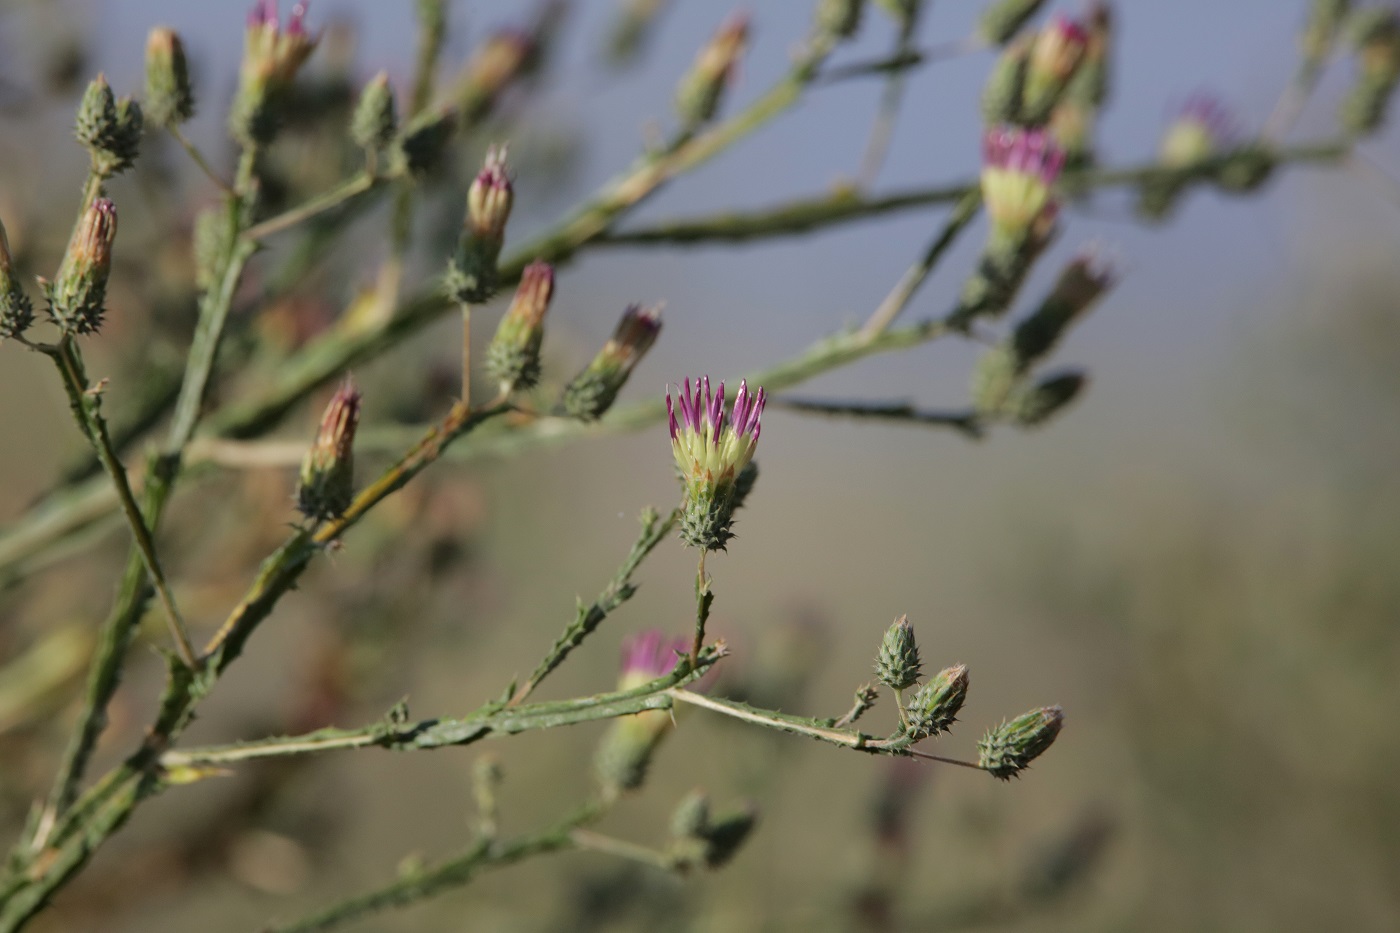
[704, 598]
[198, 157]
[422, 883]
[351, 188]
[618, 591]
[85, 402]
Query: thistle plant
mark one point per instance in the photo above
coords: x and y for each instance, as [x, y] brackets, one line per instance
[269, 229]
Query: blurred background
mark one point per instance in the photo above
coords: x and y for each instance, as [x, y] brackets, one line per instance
[1198, 560]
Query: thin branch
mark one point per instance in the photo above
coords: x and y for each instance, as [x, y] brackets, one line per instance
[965, 422]
[198, 157]
[358, 184]
[903, 292]
[618, 591]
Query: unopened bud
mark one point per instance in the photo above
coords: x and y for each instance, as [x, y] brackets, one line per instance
[692, 815]
[593, 391]
[327, 481]
[471, 274]
[1375, 35]
[726, 835]
[631, 29]
[1079, 287]
[109, 129]
[1004, 18]
[897, 664]
[1320, 31]
[77, 296]
[935, 706]
[702, 89]
[1007, 749]
[501, 59]
[16, 310]
[1053, 60]
[169, 94]
[272, 56]
[513, 358]
[839, 18]
[420, 145]
[1001, 96]
[375, 120]
[1036, 403]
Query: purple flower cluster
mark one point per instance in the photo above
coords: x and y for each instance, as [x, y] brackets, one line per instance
[649, 655]
[264, 13]
[1023, 152]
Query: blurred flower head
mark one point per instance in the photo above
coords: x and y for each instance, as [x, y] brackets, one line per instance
[1019, 170]
[1201, 128]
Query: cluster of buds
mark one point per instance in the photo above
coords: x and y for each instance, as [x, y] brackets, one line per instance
[592, 392]
[712, 452]
[108, 128]
[169, 94]
[1074, 118]
[272, 56]
[1008, 749]
[77, 296]
[327, 480]
[471, 273]
[1375, 36]
[375, 120]
[701, 840]
[513, 358]
[1032, 75]
[628, 746]
[1004, 18]
[1000, 387]
[1019, 171]
[702, 89]
[16, 310]
[935, 705]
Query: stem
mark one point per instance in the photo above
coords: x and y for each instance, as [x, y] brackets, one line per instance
[703, 600]
[85, 404]
[966, 422]
[457, 871]
[878, 145]
[179, 136]
[466, 354]
[609, 845]
[351, 188]
[618, 591]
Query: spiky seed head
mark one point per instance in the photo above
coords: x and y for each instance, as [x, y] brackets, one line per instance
[897, 663]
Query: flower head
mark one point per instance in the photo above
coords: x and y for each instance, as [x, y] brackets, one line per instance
[16, 310]
[711, 451]
[490, 197]
[1202, 128]
[647, 656]
[1019, 170]
[1058, 49]
[1006, 750]
[272, 56]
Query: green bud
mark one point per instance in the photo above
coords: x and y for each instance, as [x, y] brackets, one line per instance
[1080, 286]
[1004, 18]
[513, 358]
[593, 391]
[993, 379]
[169, 95]
[1031, 405]
[420, 145]
[626, 751]
[109, 129]
[1007, 749]
[16, 310]
[935, 706]
[471, 273]
[1006, 261]
[327, 480]
[77, 296]
[1375, 36]
[897, 664]
[1001, 96]
[702, 89]
[1320, 32]
[725, 836]
[839, 18]
[691, 817]
[375, 120]
[631, 29]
